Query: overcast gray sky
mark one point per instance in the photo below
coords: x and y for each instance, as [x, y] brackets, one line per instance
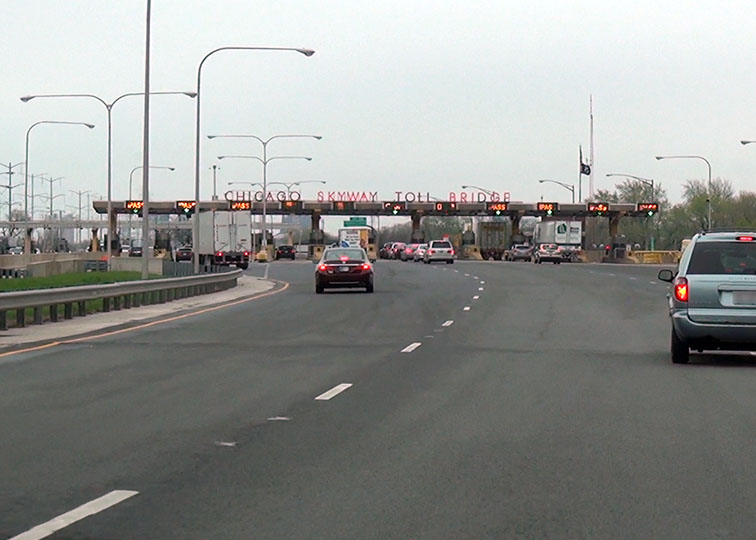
[408, 95]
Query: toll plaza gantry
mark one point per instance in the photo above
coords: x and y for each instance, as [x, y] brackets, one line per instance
[515, 211]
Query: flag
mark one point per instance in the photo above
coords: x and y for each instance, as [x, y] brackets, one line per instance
[584, 167]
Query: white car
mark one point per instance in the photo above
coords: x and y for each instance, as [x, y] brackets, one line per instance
[439, 250]
[419, 252]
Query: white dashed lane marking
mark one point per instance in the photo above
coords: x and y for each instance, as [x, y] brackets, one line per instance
[335, 391]
[476, 297]
[480, 288]
[448, 323]
[411, 347]
[466, 308]
[77, 514]
[482, 282]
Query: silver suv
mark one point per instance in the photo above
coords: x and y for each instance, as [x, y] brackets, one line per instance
[439, 250]
[713, 299]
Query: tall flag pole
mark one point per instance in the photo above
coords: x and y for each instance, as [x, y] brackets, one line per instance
[585, 169]
[591, 162]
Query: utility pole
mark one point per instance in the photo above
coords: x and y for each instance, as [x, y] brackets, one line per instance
[10, 187]
[80, 193]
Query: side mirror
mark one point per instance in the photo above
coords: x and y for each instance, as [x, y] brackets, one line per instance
[666, 275]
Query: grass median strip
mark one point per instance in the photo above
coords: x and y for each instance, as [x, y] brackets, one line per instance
[73, 279]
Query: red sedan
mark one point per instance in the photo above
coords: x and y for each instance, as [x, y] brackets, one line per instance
[344, 267]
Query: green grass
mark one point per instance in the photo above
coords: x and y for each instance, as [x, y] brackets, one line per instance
[67, 280]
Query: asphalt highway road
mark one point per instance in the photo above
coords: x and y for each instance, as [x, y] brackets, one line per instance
[548, 409]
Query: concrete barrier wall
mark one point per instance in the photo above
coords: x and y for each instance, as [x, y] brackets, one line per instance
[21, 261]
[134, 264]
[53, 268]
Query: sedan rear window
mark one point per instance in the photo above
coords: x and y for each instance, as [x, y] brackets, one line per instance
[723, 258]
[339, 254]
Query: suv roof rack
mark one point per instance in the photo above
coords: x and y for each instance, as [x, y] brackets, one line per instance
[728, 230]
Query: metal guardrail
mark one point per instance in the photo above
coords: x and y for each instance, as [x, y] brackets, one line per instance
[114, 296]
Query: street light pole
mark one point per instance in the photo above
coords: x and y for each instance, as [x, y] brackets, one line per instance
[708, 199]
[568, 187]
[215, 181]
[27, 235]
[646, 181]
[195, 229]
[488, 192]
[131, 174]
[264, 143]
[265, 160]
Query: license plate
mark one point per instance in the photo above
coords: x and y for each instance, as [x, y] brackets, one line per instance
[744, 298]
[343, 269]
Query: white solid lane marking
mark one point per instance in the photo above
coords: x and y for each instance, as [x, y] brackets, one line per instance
[476, 297]
[335, 391]
[466, 308]
[77, 514]
[480, 288]
[411, 347]
[448, 323]
[229, 444]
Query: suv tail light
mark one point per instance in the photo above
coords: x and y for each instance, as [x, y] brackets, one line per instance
[681, 289]
[431, 252]
[246, 253]
[451, 252]
[219, 254]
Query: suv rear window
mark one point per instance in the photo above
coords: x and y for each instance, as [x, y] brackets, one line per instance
[441, 245]
[723, 258]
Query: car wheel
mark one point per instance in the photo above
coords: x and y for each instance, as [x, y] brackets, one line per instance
[318, 289]
[369, 287]
[679, 350]
[557, 262]
[243, 266]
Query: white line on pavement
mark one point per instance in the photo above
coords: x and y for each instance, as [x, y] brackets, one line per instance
[468, 275]
[475, 277]
[476, 297]
[279, 418]
[411, 347]
[448, 323]
[633, 278]
[482, 282]
[480, 288]
[652, 282]
[612, 275]
[335, 391]
[466, 308]
[77, 514]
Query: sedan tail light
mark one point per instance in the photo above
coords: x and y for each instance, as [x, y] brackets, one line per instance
[366, 266]
[322, 267]
[681, 289]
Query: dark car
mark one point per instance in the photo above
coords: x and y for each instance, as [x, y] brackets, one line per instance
[520, 252]
[343, 267]
[385, 251]
[286, 252]
[135, 251]
[184, 253]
